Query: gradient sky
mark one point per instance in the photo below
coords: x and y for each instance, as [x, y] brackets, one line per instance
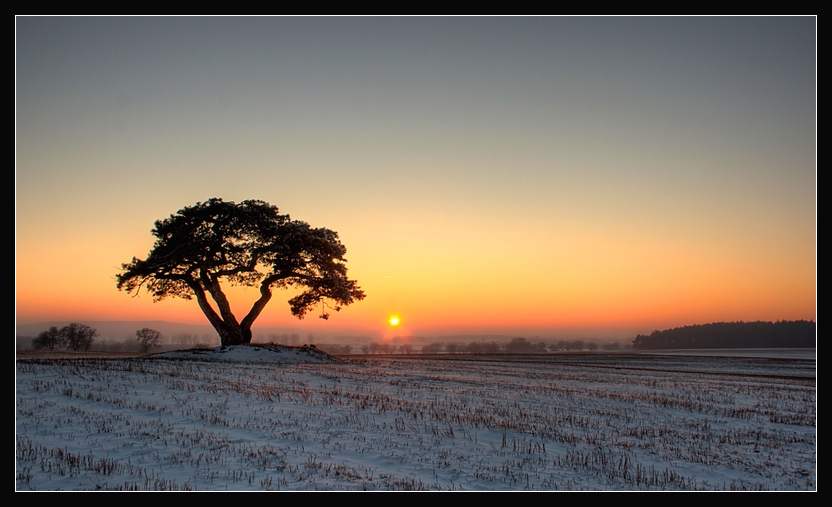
[545, 176]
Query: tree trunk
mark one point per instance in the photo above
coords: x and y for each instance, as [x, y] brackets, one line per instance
[229, 330]
[232, 334]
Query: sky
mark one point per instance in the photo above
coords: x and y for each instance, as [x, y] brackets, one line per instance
[551, 176]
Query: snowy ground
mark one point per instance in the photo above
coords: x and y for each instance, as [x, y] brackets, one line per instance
[556, 422]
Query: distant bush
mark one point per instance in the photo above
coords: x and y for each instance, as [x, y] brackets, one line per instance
[433, 348]
[518, 346]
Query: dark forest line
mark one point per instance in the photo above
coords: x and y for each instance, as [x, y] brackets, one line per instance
[729, 335]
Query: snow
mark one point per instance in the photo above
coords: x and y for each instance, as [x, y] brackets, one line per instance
[256, 353]
[282, 418]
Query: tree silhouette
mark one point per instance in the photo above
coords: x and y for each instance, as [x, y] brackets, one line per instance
[518, 345]
[148, 338]
[50, 339]
[78, 336]
[74, 337]
[247, 244]
[798, 334]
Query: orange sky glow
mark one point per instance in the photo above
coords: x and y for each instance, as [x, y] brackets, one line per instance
[518, 176]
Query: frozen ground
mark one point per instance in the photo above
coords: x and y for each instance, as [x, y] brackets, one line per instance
[555, 422]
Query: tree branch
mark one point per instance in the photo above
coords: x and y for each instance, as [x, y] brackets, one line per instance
[265, 297]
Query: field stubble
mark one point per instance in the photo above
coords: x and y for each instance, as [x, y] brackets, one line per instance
[596, 422]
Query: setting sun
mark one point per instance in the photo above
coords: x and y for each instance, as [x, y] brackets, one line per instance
[394, 320]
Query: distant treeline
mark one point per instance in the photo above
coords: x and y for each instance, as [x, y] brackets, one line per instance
[730, 335]
[517, 345]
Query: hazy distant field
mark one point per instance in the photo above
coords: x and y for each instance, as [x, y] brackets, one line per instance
[554, 422]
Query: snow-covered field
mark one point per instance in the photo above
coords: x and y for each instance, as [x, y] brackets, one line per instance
[554, 422]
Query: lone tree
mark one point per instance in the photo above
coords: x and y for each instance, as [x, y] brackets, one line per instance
[247, 244]
[148, 338]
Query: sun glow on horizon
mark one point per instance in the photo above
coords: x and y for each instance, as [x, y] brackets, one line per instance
[530, 205]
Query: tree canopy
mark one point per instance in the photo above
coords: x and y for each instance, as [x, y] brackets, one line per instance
[74, 337]
[148, 338]
[50, 339]
[249, 244]
[79, 336]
